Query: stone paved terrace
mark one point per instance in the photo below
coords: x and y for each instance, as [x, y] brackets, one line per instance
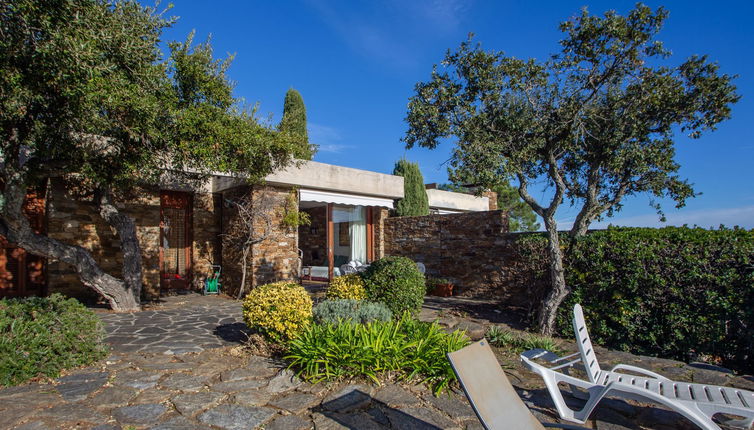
[177, 325]
[174, 386]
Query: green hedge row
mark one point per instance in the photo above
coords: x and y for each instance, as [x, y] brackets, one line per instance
[39, 336]
[675, 292]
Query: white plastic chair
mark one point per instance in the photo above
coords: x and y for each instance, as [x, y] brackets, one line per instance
[697, 402]
[492, 396]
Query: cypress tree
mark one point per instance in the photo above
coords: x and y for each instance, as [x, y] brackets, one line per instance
[294, 122]
[414, 201]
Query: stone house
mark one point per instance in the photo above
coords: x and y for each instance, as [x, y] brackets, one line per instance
[182, 229]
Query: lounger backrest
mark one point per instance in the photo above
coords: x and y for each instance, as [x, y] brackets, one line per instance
[490, 393]
[585, 344]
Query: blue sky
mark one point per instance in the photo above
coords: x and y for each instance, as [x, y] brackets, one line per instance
[356, 62]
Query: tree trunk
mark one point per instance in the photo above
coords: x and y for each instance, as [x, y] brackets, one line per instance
[129, 243]
[242, 288]
[15, 227]
[558, 289]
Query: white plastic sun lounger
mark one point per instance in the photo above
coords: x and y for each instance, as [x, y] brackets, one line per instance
[492, 396]
[697, 402]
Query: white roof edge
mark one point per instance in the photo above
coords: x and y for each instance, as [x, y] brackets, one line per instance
[329, 177]
[440, 199]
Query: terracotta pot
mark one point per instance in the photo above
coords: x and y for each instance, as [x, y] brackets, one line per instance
[443, 290]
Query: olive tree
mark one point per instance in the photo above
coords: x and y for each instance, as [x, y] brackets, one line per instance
[87, 96]
[595, 122]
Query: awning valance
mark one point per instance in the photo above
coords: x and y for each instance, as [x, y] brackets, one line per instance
[344, 199]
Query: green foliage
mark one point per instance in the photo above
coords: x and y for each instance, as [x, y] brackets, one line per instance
[85, 90]
[349, 310]
[597, 118]
[415, 201]
[413, 349]
[279, 310]
[42, 336]
[671, 292]
[396, 282]
[292, 216]
[498, 336]
[503, 338]
[520, 215]
[294, 123]
[347, 287]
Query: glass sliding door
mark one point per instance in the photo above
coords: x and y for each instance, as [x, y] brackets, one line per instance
[349, 234]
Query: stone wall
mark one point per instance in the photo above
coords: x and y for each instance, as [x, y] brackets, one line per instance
[473, 249]
[273, 259]
[77, 222]
[379, 215]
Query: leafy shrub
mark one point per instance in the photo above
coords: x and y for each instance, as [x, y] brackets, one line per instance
[347, 287]
[674, 292]
[41, 336]
[396, 282]
[499, 336]
[409, 347]
[278, 311]
[336, 311]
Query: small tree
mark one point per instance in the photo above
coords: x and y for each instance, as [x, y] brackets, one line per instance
[294, 123]
[594, 122]
[86, 96]
[252, 211]
[415, 201]
[520, 216]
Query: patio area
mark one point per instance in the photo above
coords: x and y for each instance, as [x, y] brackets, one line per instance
[180, 365]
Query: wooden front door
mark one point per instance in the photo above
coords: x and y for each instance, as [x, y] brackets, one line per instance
[175, 239]
[23, 274]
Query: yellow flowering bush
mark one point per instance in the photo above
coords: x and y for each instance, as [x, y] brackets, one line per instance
[347, 287]
[279, 310]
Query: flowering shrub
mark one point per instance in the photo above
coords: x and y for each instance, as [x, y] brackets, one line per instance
[279, 310]
[347, 287]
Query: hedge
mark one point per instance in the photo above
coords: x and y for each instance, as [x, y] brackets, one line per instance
[41, 336]
[675, 292]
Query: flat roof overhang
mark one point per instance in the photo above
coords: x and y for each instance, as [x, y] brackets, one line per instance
[325, 177]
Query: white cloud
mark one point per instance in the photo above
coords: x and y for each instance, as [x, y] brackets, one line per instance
[333, 148]
[708, 218]
[392, 32]
[322, 134]
[326, 138]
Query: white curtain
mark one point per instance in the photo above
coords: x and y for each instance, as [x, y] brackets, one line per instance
[358, 233]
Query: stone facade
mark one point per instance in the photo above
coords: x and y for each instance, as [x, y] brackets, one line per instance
[273, 259]
[471, 249]
[76, 221]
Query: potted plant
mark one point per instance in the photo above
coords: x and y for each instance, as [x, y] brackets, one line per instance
[440, 287]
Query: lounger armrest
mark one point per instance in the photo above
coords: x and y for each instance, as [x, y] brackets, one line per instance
[527, 358]
[635, 369]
